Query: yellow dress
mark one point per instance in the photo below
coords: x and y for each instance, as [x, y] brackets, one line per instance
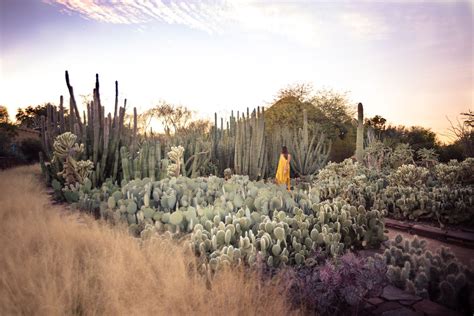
[283, 177]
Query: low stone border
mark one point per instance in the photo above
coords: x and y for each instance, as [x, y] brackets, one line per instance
[466, 238]
[396, 302]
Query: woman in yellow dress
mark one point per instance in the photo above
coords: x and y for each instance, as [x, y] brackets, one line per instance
[283, 171]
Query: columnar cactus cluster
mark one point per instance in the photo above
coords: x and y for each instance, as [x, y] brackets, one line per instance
[147, 163]
[437, 276]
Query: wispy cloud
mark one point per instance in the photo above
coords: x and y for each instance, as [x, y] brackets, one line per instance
[364, 26]
[205, 15]
[290, 19]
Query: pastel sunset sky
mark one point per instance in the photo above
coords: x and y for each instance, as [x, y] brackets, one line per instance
[409, 61]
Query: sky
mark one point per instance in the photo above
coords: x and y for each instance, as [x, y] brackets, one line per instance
[408, 61]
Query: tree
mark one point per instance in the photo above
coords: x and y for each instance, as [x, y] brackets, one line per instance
[3, 114]
[196, 127]
[299, 91]
[377, 124]
[30, 116]
[463, 133]
[288, 112]
[7, 132]
[327, 108]
[468, 118]
[171, 116]
[419, 137]
[416, 136]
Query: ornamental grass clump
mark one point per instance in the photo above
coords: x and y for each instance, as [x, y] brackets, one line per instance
[54, 262]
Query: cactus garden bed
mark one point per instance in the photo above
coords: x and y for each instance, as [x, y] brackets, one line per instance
[308, 236]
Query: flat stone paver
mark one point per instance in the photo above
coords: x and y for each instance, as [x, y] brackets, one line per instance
[401, 312]
[386, 306]
[375, 300]
[433, 309]
[392, 293]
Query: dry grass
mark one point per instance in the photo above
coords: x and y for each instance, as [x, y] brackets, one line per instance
[52, 265]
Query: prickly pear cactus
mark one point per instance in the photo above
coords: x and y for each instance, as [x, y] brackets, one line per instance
[238, 220]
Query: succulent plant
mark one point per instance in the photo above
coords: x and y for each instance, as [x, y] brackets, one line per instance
[176, 157]
[67, 152]
[436, 276]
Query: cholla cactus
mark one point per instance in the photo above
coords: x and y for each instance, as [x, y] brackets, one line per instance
[65, 146]
[428, 157]
[439, 277]
[402, 155]
[377, 155]
[84, 168]
[67, 151]
[409, 175]
[176, 157]
[448, 174]
[227, 173]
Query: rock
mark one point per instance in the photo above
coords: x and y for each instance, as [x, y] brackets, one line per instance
[386, 306]
[433, 309]
[429, 231]
[375, 300]
[392, 293]
[461, 236]
[367, 308]
[401, 312]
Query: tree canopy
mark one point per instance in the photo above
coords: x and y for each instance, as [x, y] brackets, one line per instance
[325, 108]
[30, 116]
[3, 114]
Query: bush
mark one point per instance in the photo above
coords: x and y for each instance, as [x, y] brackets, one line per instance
[337, 287]
[30, 148]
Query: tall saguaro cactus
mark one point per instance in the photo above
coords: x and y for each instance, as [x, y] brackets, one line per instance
[360, 134]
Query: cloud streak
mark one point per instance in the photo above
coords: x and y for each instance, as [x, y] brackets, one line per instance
[289, 19]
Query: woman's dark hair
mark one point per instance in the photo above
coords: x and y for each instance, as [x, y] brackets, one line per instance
[284, 151]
